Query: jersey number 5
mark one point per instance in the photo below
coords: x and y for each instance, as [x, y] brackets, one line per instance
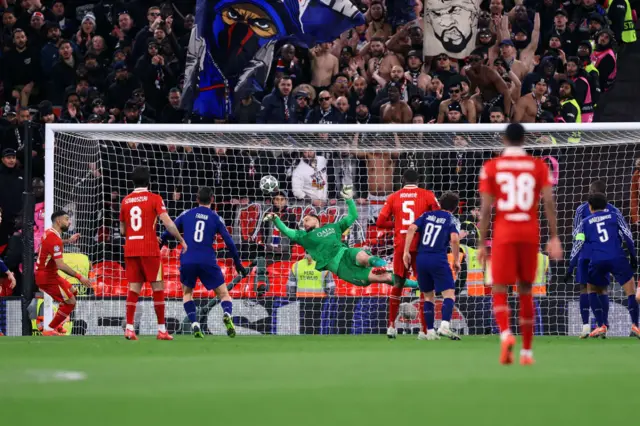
[407, 208]
[518, 189]
[604, 235]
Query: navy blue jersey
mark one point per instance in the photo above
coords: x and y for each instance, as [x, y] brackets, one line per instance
[582, 212]
[199, 227]
[435, 230]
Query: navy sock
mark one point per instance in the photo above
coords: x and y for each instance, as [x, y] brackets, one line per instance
[447, 309]
[227, 307]
[190, 309]
[584, 307]
[429, 314]
[604, 303]
[596, 308]
[632, 305]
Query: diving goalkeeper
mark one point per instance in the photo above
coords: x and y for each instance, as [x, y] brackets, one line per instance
[325, 246]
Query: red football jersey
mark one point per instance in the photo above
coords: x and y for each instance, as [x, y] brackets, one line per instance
[515, 180]
[404, 207]
[51, 249]
[139, 212]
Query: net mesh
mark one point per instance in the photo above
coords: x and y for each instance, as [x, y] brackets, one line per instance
[91, 177]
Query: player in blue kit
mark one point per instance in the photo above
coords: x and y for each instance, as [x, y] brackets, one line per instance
[582, 212]
[199, 227]
[601, 235]
[438, 230]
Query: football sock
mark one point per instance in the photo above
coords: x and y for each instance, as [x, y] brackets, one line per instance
[394, 305]
[584, 307]
[376, 261]
[632, 305]
[604, 304]
[227, 307]
[501, 311]
[132, 301]
[158, 305]
[64, 310]
[526, 320]
[596, 308]
[429, 314]
[447, 309]
[423, 323]
[190, 309]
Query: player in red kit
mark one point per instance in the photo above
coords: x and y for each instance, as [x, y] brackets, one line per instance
[402, 208]
[139, 215]
[48, 263]
[514, 182]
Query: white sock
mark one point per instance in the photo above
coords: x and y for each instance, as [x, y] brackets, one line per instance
[586, 328]
[525, 352]
[162, 328]
[444, 325]
[505, 334]
[130, 327]
[195, 324]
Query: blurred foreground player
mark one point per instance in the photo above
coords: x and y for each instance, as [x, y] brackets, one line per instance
[438, 230]
[138, 218]
[400, 211]
[48, 263]
[200, 226]
[601, 235]
[514, 181]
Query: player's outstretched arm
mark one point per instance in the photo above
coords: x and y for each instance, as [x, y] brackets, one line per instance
[173, 230]
[408, 239]
[165, 235]
[228, 241]
[627, 236]
[69, 271]
[554, 248]
[352, 212]
[288, 232]
[384, 218]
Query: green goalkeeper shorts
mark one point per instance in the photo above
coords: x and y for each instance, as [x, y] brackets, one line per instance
[350, 271]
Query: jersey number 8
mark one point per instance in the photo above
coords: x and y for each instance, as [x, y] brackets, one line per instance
[136, 218]
[198, 235]
[518, 189]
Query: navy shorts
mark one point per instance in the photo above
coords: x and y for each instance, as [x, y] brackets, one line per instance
[210, 276]
[434, 273]
[582, 271]
[619, 268]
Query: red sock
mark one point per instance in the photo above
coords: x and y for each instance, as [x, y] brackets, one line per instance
[423, 324]
[132, 302]
[526, 320]
[394, 305]
[158, 304]
[501, 311]
[64, 310]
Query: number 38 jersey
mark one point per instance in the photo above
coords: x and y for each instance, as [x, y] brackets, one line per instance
[139, 212]
[515, 180]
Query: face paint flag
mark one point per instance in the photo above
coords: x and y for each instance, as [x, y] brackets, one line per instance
[450, 26]
[233, 44]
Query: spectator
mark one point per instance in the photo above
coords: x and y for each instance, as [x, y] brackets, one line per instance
[120, 91]
[279, 107]
[454, 114]
[396, 110]
[363, 116]
[604, 59]
[145, 109]
[569, 107]
[86, 32]
[99, 109]
[323, 66]
[583, 89]
[496, 115]
[529, 106]
[415, 72]
[468, 107]
[124, 32]
[189, 22]
[14, 133]
[73, 112]
[132, 114]
[378, 27]
[302, 105]
[581, 15]
[287, 64]
[247, 109]
[36, 35]
[96, 72]
[309, 180]
[153, 22]
[8, 24]
[68, 27]
[563, 31]
[22, 73]
[172, 113]
[11, 184]
[361, 93]
[324, 113]
[340, 86]
[381, 62]
[622, 22]
[50, 51]
[493, 90]
[407, 89]
[343, 106]
[443, 69]
[305, 280]
[546, 70]
[63, 73]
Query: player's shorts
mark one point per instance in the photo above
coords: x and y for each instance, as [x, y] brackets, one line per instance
[349, 270]
[398, 265]
[210, 275]
[619, 268]
[434, 273]
[514, 262]
[582, 271]
[143, 269]
[57, 287]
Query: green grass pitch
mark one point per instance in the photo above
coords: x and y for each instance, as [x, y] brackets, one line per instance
[314, 380]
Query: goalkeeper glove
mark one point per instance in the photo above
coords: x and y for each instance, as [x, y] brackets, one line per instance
[568, 275]
[634, 262]
[241, 269]
[269, 217]
[347, 192]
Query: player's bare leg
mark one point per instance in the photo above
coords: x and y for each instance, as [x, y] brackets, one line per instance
[132, 303]
[501, 313]
[429, 317]
[190, 309]
[394, 305]
[158, 305]
[629, 289]
[64, 310]
[227, 306]
[596, 307]
[584, 312]
[449, 297]
[526, 322]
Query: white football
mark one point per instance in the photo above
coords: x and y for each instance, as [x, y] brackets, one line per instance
[268, 184]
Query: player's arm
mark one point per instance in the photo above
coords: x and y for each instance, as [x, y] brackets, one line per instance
[578, 243]
[408, 239]
[292, 234]
[69, 271]
[454, 237]
[352, 210]
[626, 234]
[171, 227]
[385, 217]
[123, 229]
[486, 201]
[577, 219]
[228, 241]
[165, 235]
[553, 246]
[4, 270]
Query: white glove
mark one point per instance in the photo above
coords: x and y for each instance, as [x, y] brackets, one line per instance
[347, 192]
[269, 217]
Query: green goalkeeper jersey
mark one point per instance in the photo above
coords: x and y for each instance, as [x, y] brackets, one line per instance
[323, 244]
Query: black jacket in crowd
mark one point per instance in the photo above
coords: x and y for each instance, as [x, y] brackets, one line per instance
[21, 68]
[273, 109]
[12, 185]
[317, 116]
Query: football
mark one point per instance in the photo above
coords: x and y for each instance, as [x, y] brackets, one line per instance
[268, 184]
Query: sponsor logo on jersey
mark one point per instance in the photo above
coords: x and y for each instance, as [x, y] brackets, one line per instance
[323, 233]
[56, 249]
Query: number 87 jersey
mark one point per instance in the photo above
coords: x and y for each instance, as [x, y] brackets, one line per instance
[515, 180]
[139, 212]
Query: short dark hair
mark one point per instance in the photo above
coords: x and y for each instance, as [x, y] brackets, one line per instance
[515, 134]
[410, 176]
[175, 90]
[205, 196]
[57, 214]
[140, 177]
[449, 201]
[64, 41]
[496, 109]
[598, 186]
[284, 77]
[380, 39]
[597, 201]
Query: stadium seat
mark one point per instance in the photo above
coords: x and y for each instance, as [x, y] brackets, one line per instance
[110, 279]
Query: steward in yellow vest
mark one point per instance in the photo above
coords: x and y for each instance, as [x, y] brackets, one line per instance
[306, 281]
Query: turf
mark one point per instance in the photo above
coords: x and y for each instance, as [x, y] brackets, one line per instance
[314, 380]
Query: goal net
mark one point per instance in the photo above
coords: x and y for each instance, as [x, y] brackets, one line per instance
[87, 174]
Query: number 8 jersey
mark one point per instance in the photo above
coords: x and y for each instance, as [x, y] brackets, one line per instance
[515, 180]
[139, 212]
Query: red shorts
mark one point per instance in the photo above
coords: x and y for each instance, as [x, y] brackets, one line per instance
[5, 287]
[515, 262]
[57, 287]
[398, 264]
[143, 269]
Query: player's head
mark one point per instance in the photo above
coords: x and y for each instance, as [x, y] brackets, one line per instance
[597, 201]
[410, 177]
[61, 220]
[598, 186]
[140, 177]
[310, 221]
[205, 196]
[449, 201]
[514, 135]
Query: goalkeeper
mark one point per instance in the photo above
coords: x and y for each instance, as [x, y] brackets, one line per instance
[325, 246]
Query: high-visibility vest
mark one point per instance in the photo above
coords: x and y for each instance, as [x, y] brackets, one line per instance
[475, 273]
[308, 279]
[597, 58]
[540, 281]
[629, 27]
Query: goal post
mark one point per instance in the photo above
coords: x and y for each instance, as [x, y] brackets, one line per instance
[87, 170]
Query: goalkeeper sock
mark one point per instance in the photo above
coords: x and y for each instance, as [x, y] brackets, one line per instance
[64, 310]
[526, 320]
[158, 305]
[190, 309]
[429, 314]
[632, 305]
[584, 307]
[376, 262]
[501, 311]
[132, 302]
[594, 301]
[394, 305]
[604, 303]
[227, 307]
[447, 309]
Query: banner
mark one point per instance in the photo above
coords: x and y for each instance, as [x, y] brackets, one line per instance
[450, 26]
